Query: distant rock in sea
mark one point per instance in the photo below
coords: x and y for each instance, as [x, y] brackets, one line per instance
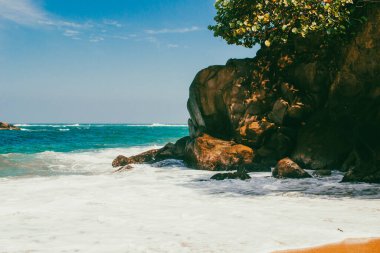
[7, 126]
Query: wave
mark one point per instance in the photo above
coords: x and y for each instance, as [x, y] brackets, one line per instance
[21, 125]
[51, 163]
[48, 125]
[157, 125]
[34, 130]
[168, 125]
[98, 162]
[101, 125]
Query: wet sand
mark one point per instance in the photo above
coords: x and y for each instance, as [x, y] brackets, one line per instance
[371, 245]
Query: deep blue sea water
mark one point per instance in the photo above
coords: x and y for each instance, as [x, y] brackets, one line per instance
[35, 138]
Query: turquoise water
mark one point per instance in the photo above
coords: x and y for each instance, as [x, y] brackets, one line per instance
[77, 149]
[35, 138]
[50, 150]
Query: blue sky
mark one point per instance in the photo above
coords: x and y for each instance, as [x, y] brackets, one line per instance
[115, 61]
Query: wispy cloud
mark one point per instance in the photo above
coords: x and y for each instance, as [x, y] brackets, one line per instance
[22, 12]
[28, 13]
[114, 23]
[176, 30]
[71, 33]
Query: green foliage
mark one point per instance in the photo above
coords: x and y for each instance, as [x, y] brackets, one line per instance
[268, 22]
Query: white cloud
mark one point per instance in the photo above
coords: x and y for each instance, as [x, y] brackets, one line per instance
[112, 23]
[71, 33]
[22, 12]
[177, 30]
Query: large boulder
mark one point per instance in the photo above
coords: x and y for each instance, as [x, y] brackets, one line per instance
[286, 168]
[209, 153]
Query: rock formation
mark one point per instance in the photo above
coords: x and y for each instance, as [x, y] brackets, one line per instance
[7, 126]
[317, 104]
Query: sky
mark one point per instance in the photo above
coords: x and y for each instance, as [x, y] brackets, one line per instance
[104, 61]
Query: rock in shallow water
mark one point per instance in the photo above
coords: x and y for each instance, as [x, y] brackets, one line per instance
[240, 174]
[145, 157]
[286, 168]
[204, 152]
[169, 151]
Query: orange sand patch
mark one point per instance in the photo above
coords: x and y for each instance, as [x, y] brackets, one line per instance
[348, 246]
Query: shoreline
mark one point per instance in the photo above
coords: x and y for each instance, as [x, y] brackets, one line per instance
[362, 245]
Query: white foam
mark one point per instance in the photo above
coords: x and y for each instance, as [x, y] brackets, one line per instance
[99, 125]
[172, 209]
[167, 125]
[47, 125]
[158, 125]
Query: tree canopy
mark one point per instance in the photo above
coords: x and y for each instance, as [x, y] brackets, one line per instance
[268, 22]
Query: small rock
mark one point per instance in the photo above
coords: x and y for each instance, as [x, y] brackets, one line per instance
[322, 173]
[286, 168]
[240, 174]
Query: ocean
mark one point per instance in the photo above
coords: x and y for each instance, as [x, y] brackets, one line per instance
[58, 193]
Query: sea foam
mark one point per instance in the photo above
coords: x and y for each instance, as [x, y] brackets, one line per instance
[80, 205]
